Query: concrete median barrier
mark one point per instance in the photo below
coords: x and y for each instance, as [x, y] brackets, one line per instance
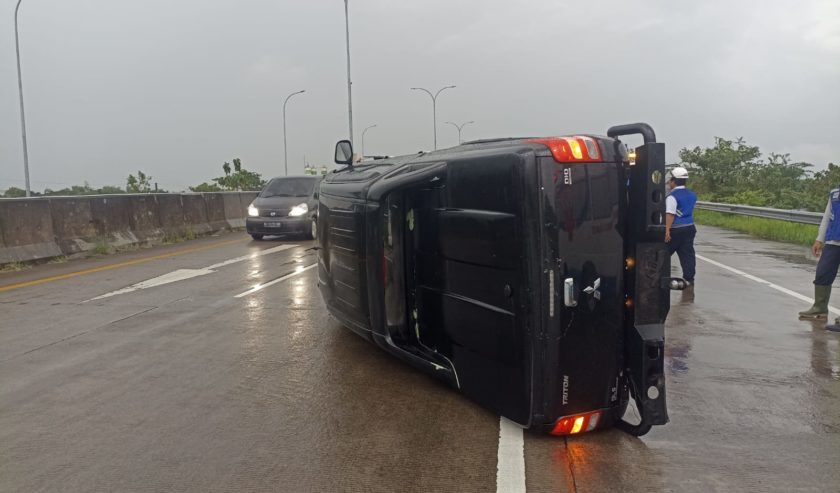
[170, 211]
[144, 217]
[41, 228]
[215, 205]
[195, 214]
[73, 225]
[112, 218]
[27, 231]
[234, 212]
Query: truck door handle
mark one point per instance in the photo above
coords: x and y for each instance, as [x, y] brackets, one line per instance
[570, 293]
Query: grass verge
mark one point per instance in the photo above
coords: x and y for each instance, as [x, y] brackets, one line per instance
[102, 248]
[13, 267]
[769, 229]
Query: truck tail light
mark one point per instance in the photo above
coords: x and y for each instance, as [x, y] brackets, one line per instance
[575, 149]
[571, 425]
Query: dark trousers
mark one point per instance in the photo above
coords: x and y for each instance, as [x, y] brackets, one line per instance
[827, 266]
[682, 243]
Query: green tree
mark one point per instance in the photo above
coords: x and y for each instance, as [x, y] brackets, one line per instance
[142, 183]
[732, 171]
[781, 182]
[72, 190]
[85, 189]
[206, 187]
[238, 178]
[109, 189]
[817, 188]
[14, 192]
[720, 171]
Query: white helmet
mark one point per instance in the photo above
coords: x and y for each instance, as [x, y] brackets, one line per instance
[679, 173]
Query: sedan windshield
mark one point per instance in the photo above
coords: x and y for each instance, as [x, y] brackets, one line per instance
[289, 187]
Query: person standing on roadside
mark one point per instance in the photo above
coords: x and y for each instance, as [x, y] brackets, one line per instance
[679, 222]
[827, 248]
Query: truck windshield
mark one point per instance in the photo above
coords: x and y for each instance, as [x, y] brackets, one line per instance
[289, 187]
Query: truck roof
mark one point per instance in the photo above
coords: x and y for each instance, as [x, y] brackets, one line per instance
[355, 181]
[482, 144]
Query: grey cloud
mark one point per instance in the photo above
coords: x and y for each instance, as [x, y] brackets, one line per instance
[177, 88]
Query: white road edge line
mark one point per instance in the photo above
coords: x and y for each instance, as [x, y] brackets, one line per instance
[767, 283]
[259, 287]
[510, 469]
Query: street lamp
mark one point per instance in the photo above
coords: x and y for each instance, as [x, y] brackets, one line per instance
[349, 82]
[285, 153]
[434, 106]
[460, 127]
[22, 114]
[363, 139]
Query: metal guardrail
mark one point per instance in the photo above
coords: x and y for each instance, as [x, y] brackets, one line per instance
[804, 217]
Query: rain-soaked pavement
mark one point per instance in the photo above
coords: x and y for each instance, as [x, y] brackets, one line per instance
[180, 385]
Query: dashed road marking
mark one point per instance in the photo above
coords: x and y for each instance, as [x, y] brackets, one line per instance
[260, 287]
[182, 274]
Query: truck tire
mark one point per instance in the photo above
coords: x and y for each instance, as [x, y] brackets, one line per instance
[636, 430]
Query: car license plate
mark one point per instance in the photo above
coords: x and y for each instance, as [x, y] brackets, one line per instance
[273, 225]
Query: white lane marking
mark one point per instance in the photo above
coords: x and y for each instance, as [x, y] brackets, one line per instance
[174, 276]
[182, 274]
[243, 258]
[510, 470]
[767, 283]
[260, 287]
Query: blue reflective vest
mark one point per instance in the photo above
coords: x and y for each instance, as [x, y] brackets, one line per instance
[833, 231]
[686, 200]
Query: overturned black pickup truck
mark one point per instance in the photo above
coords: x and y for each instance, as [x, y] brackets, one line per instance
[531, 274]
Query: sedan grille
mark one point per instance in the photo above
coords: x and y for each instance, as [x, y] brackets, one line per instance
[274, 212]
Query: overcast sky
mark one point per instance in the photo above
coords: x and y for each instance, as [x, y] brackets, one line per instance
[177, 87]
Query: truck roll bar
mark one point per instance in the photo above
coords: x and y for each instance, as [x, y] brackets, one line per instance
[633, 128]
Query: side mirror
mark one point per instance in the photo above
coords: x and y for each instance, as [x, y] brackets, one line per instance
[344, 152]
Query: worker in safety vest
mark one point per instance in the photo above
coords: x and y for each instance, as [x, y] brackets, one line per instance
[679, 222]
[827, 248]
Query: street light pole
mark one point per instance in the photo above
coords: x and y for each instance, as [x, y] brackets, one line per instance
[434, 106]
[285, 151]
[349, 81]
[460, 127]
[363, 139]
[22, 113]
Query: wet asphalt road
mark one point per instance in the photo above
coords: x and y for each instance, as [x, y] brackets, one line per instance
[183, 386]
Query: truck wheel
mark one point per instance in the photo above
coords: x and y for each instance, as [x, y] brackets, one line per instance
[635, 429]
[257, 237]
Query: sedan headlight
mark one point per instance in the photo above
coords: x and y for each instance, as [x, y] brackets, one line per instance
[299, 210]
[253, 211]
